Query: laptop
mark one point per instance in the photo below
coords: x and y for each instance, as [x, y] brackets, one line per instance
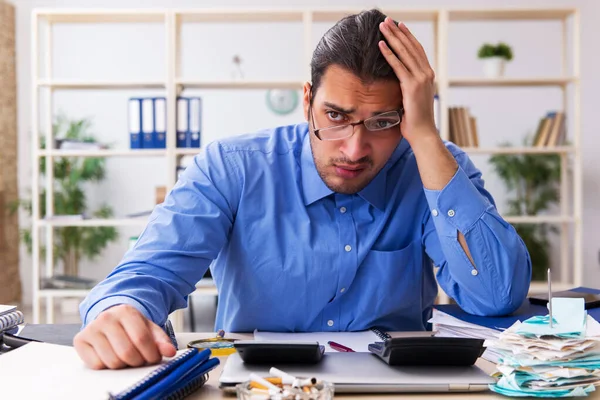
[366, 373]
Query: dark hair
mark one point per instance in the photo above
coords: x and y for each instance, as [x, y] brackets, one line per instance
[352, 43]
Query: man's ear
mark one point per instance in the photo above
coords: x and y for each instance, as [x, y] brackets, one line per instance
[306, 99]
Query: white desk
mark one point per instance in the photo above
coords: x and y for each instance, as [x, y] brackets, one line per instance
[211, 388]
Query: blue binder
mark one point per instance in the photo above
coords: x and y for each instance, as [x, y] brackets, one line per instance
[175, 379]
[160, 123]
[183, 121]
[147, 123]
[195, 122]
[524, 312]
[134, 117]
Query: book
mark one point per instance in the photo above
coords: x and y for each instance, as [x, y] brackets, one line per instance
[48, 364]
[10, 317]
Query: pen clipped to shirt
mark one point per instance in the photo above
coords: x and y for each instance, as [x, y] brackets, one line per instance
[340, 347]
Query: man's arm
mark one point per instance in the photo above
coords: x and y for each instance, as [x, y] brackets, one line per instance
[183, 236]
[495, 279]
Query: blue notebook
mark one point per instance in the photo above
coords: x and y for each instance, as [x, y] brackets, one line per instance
[176, 379]
[524, 312]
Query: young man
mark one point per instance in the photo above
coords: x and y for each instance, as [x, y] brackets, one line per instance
[330, 225]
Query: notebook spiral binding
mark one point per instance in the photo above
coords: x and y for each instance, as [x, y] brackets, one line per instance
[189, 389]
[154, 376]
[381, 334]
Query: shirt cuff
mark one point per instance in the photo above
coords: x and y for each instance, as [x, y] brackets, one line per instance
[458, 206]
[112, 301]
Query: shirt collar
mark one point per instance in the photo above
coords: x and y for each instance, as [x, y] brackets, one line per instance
[315, 189]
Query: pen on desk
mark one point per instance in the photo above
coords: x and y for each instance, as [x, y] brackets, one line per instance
[340, 347]
[550, 297]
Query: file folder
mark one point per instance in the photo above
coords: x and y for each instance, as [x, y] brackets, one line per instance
[195, 121]
[182, 121]
[147, 123]
[160, 124]
[135, 123]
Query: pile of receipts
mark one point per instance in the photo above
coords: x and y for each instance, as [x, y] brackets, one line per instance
[540, 360]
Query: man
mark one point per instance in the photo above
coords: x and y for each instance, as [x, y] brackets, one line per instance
[329, 225]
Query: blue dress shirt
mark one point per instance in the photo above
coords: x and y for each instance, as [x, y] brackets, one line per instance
[288, 254]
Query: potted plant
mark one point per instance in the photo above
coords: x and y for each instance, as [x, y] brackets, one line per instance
[494, 58]
[72, 243]
[534, 180]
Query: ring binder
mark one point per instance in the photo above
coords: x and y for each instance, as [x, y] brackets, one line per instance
[381, 334]
[176, 379]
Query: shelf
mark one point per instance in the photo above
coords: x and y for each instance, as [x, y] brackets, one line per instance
[64, 292]
[84, 85]
[519, 150]
[237, 15]
[542, 286]
[538, 219]
[250, 84]
[509, 14]
[192, 151]
[66, 15]
[94, 222]
[104, 153]
[509, 82]
[334, 15]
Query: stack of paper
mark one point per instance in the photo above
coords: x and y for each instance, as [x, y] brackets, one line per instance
[537, 359]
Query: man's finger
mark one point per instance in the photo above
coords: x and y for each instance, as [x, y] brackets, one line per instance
[87, 354]
[104, 351]
[123, 346]
[165, 346]
[401, 72]
[415, 43]
[140, 335]
[399, 47]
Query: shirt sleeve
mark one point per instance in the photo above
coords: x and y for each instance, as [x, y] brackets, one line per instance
[498, 281]
[183, 236]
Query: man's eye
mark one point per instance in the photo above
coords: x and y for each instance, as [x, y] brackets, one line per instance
[335, 116]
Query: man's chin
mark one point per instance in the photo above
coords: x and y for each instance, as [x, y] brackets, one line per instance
[346, 186]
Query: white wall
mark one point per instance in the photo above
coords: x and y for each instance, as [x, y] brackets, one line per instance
[122, 52]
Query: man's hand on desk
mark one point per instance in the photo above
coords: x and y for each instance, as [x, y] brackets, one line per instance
[122, 337]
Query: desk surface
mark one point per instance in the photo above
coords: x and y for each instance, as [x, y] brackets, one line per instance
[211, 389]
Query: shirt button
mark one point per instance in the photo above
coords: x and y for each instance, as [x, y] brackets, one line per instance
[347, 247]
[330, 322]
[434, 212]
[342, 290]
[451, 213]
[474, 272]
[342, 209]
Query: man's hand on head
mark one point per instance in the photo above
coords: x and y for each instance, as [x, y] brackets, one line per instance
[417, 80]
[122, 337]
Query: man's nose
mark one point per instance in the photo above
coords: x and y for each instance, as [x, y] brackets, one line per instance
[356, 146]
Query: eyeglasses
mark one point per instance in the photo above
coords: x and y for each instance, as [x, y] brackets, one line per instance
[379, 123]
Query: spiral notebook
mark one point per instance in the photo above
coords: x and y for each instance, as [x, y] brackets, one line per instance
[46, 364]
[10, 317]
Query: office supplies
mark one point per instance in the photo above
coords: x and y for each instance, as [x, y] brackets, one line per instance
[274, 352]
[591, 299]
[147, 105]
[358, 341]
[135, 123]
[59, 373]
[558, 361]
[339, 347]
[365, 373]
[13, 341]
[10, 317]
[219, 346]
[160, 123]
[429, 351]
[195, 122]
[182, 121]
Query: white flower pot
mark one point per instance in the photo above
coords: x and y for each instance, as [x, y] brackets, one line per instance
[493, 67]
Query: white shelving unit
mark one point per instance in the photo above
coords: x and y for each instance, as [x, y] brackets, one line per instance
[173, 84]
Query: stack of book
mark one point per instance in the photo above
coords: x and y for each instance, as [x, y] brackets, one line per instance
[10, 317]
[551, 130]
[463, 127]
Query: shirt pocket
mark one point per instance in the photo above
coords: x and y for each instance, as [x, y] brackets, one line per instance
[392, 281]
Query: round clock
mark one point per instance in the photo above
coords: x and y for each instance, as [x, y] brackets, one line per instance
[282, 101]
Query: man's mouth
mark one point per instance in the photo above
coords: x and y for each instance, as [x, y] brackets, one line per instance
[349, 171]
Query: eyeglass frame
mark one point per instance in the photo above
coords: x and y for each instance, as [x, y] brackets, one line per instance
[400, 112]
